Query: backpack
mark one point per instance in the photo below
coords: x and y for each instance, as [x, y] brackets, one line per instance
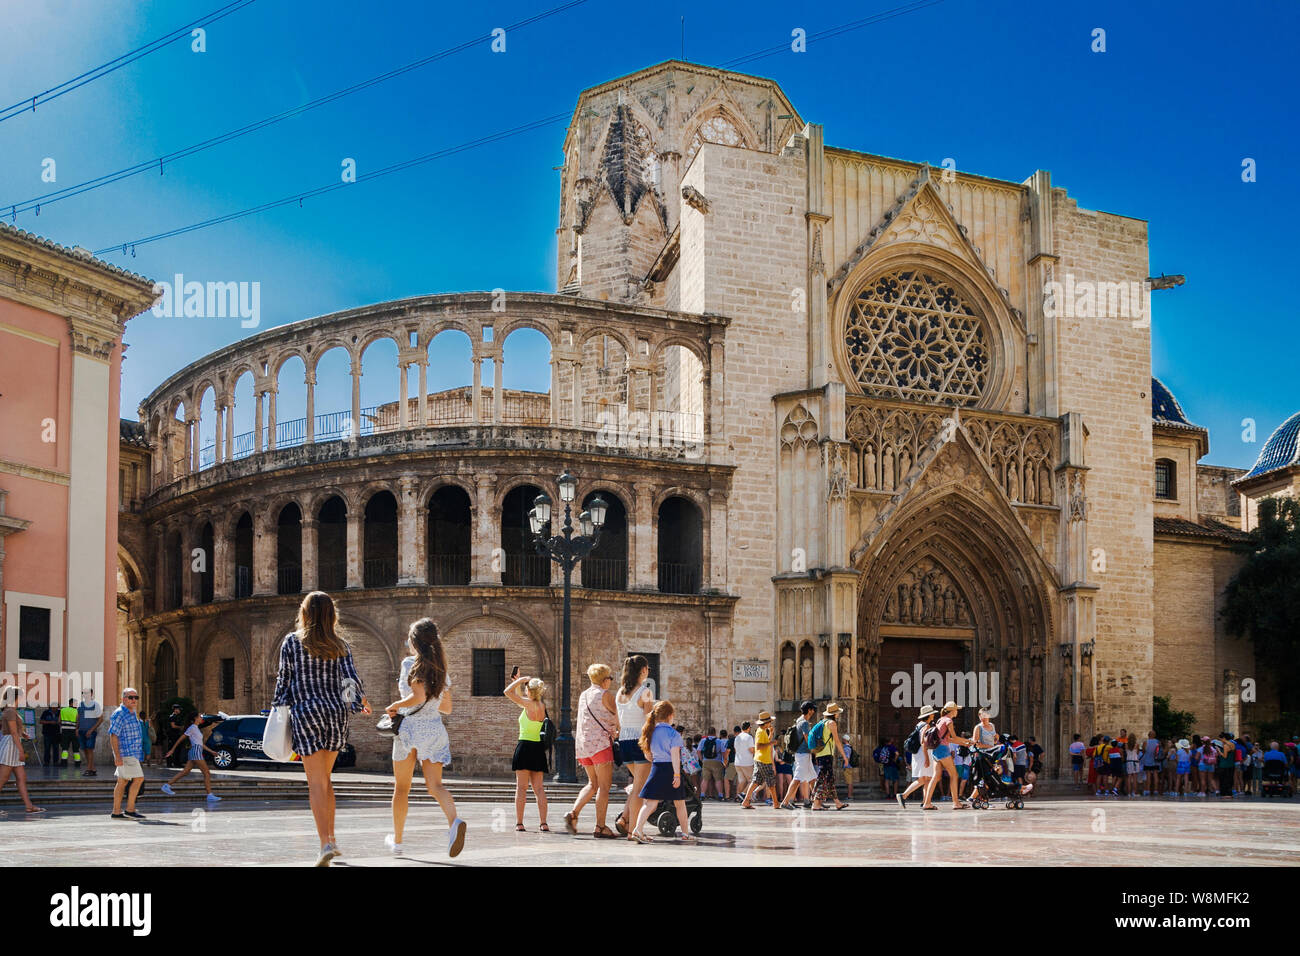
[931, 737]
[816, 737]
[549, 732]
[791, 739]
[880, 755]
[913, 742]
[709, 748]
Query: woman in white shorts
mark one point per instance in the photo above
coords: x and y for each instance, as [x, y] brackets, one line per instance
[923, 765]
[805, 772]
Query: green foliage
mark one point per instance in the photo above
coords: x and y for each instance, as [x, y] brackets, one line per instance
[1262, 602]
[1170, 724]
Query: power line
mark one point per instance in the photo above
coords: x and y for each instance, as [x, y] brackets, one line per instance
[484, 140]
[67, 86]
[321, 190]
[159, 162]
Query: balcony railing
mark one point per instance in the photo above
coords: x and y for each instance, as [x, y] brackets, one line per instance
[604, 574]
[449, 569]
[288, 579]
[679, 578]
[527, 570]
[332, 576]
[243, 581]
[379, 572]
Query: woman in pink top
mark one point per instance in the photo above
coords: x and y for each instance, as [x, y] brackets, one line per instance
[942, 752]
[594, 744]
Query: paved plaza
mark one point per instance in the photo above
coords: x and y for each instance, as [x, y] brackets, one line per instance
[1057, 830]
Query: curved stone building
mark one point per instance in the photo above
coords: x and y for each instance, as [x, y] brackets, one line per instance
[864, 425]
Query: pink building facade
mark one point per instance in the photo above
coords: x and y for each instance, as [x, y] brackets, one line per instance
[62, 315]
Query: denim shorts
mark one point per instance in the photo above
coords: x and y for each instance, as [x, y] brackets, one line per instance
[632, 752]
[939, 752]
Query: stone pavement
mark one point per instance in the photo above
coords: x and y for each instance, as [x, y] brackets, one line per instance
[1057, 830]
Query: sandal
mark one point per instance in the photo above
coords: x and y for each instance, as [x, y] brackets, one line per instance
[544, 828]
[520, 828]
[604, 833]
[620, 825]
[640, 837]
[571, 823]
[36, 810]
[687, 838]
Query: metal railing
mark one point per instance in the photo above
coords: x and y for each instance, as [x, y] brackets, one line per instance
[679, 578]
[332, 576]
[379, 573]
[288, 579]
[449, 569]
[604, 574]
[527, 570]
[243, 581]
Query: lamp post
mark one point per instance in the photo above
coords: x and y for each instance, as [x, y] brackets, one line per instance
[566, 550]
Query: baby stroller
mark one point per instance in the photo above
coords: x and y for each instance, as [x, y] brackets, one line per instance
[1275, 779]
[665, 815]
[987, 782]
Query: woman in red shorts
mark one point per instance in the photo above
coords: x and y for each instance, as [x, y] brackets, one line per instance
[597, 736]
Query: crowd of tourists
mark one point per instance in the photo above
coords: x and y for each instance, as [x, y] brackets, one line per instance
[1227, 765]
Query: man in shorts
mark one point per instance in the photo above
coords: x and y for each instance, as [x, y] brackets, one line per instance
[805, 773]
[1076, 759]
[124, 737]
[886, 755]
[710, 767]
[764, 765]
[89, 716]
[743, 744]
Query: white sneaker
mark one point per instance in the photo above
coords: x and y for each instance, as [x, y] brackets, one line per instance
[167, 789]
[394, 847]
[456, 838]
[213, 798]
[328, 852]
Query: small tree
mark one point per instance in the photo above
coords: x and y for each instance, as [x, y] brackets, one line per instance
[1170, 724]
[1262, 601]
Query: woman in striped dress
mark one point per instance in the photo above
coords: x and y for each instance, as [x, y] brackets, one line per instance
[318, 681]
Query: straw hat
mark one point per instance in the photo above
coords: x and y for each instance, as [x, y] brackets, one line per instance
[832, 709]
[926, 711]
[1184, 744]
[950, 705]
[764, 717]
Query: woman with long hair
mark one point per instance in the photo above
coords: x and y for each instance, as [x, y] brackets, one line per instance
[662, 745]
[922, 766]
[634, 701]
[422, 736]
[318, 681]
[529, 762]
[594, 746]
[825, 759]
[193, 738]
[13, 758]
[945, 741]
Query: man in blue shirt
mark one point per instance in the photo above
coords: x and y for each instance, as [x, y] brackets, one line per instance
[124, 736]
[1274, 753]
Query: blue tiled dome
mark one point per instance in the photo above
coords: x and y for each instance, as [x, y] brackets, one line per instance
[1164, 407]
[1281, 449]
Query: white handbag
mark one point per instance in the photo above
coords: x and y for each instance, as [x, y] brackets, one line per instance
[277, 742]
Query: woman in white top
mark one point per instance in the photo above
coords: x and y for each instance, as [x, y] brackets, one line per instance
[422, 736]
[634, 701]
[923, 766]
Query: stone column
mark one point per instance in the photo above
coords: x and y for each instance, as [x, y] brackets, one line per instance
[309, 549]
[217, 453]
[355, 577]
[402, 400]
[271, 419]
[422, 414]
[555, 392]
[356, 398]
[575, 410]
[191, 445]
[486, 531]
[230, 429]
[187, 566]
[222, 554]
[257, 425]
[160, 568]
[310, 382]
[498, 378]
[407, 552]
[265, 557]
[641, 548]
[476, 396]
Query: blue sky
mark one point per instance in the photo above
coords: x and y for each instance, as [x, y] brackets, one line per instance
[1156, 128]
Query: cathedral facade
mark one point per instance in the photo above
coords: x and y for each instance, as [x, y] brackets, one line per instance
[871, 431]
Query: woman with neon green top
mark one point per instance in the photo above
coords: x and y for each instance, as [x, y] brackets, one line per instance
[529, 763]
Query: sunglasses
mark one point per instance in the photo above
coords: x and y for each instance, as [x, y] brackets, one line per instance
[130, 697]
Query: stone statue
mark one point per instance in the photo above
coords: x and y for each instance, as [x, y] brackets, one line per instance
[1031, 490]
[787, 678]
[949, 612]
[963, 611]
[887, 460]
[916, 605]
[1085, 673]
[890, 612]
[1011, 481]
[1067, 673]
[1035, 672]
[846, 674]
[869, 479]
[927, 601]
[806, 679]
[838, 481]
[1078, 504]
[867, 673]
[1045, 485]
[904, 464]
[1013, 680]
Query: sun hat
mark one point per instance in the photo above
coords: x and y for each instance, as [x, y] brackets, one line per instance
[764, 717]
[950, 705]
[832, 709]
[1184, 744]
[926, 711]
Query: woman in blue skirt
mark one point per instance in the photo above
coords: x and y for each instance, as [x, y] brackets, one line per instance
[661, 742]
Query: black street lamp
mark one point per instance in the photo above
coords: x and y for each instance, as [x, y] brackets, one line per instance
[566, 550]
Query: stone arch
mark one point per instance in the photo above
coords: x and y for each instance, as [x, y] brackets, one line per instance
[502, 331]
[625, 339]
[138, 570]
[431, 329]
[699, 498]
[433, 485]
[1005, 330]
[542, 644]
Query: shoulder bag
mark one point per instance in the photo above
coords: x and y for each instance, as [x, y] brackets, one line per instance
[613, 745]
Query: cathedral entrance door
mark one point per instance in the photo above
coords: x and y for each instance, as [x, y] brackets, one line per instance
[900, 693]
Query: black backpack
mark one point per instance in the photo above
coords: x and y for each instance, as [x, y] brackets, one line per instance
[792, 739]
[548, 734]
[709, 748]
[913, 742]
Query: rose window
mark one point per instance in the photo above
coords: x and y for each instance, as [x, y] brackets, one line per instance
[911, 336]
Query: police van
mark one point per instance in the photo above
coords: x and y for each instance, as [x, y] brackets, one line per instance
[238, 739]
